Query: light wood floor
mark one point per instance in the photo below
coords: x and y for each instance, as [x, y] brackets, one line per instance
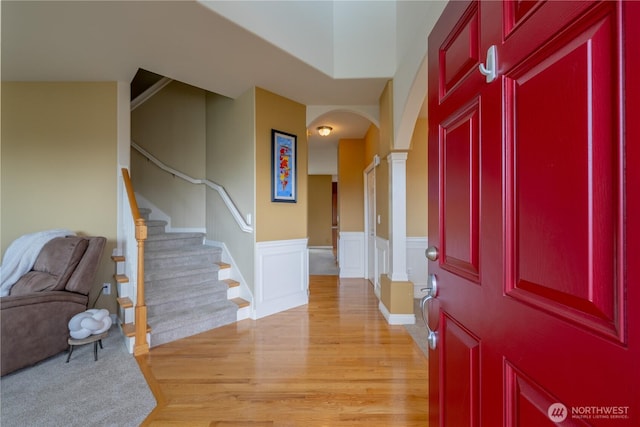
[334, 362]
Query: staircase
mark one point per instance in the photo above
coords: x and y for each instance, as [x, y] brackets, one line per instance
[186, 292]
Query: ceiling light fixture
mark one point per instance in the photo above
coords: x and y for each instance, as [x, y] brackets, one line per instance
[324, 130]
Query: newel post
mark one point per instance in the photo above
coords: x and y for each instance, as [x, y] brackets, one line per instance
[141, 345]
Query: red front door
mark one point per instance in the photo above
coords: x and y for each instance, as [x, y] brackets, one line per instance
[534, 195]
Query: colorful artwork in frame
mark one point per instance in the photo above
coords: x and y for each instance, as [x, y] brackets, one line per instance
[283, 167]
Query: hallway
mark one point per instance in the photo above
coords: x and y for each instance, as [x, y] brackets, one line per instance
[333, 362]
[322, 262]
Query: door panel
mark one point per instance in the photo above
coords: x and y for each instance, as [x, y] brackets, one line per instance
[459, 55]
[529, 405]
[517, 12]
[460, 387]
[561, 163]
[532, 196]
[460, 186]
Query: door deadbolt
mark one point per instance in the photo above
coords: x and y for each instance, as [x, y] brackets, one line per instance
[432, 253]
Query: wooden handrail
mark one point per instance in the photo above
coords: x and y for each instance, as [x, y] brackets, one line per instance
[135, 212]
[141, 345]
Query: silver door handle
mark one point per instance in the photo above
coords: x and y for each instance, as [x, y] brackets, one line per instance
[432, 336]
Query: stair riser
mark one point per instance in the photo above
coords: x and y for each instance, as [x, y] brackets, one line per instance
[184, 303]
[183, 261]
[154, 230]
[144, 213]
[152, 283]
[168, 244]
[160, 338]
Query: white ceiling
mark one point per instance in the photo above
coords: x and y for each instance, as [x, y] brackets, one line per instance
[190, 42]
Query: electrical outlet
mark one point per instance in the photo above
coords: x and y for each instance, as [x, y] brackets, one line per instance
[106, 288]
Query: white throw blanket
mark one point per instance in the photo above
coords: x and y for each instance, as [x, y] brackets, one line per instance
[21, 255]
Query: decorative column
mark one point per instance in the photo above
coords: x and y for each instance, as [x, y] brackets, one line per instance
[398, 216]
[396, 291]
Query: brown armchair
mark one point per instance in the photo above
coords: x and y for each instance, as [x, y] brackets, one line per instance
[35, 314]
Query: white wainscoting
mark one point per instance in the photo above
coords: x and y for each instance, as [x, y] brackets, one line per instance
[417, 264]
[382, 261]
[351, 254]
[282, 276]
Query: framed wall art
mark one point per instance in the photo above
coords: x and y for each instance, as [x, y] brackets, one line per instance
[283, 167]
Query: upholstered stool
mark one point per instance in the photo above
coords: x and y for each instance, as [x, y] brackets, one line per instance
[95, 339]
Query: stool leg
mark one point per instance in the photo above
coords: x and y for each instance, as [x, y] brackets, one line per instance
[69, 355]
[100, 342]
[95, 351]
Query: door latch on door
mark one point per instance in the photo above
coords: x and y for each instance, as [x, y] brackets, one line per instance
[432, 289]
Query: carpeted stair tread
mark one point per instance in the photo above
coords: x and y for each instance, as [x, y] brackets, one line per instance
[205, 290]
[184, 296]
[184, 317]
[184, 323]
[192, 257]
[190, 251]
[189, 273]
[155, 227]
[174, 236]
[162, 241]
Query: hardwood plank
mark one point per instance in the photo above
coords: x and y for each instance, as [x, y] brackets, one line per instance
[124, 302]
[333, 362]
[231, 283]
[121, 278]
[241, 303]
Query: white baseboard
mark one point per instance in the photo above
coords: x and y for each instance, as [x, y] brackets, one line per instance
[234, 273]
[159, 214]
[397, 319]
[244, 313]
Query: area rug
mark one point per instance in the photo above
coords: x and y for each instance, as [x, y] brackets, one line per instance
[108, 392]
[418, 331]
[322, 262]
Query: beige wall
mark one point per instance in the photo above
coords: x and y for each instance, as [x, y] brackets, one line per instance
[417, 182]
[171, 126]
[384, 148]
[279, 221]
[351, 185]
[320, 210]
[59, 164]
[371, 144]
[397, 297]
[386, 120]
[230, 163]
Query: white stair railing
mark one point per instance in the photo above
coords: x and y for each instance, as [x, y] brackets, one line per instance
[237, 216]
